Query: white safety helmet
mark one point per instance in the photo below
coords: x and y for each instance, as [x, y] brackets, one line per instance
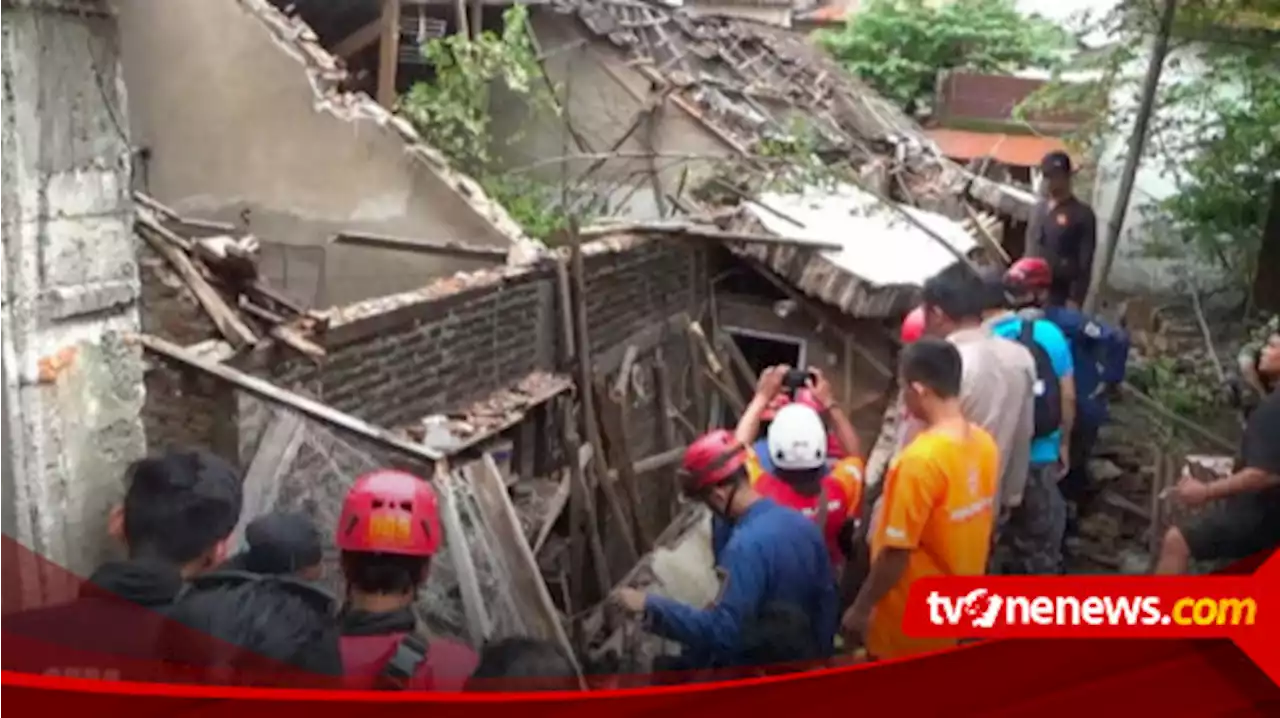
[797, 439]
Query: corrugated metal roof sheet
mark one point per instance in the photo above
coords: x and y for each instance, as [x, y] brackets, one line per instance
[1019, 150]
[885, 258]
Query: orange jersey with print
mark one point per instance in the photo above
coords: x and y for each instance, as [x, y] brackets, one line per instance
[938, 504]
[843, 486]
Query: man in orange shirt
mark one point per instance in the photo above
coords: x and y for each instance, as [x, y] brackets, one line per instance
[937, 515]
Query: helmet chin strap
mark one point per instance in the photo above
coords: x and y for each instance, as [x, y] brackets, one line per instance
[728, 502]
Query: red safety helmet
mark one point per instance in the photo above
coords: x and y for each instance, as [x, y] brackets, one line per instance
[775, 404]
[711, 459]
[1029, 273]
[913, 325]
[389, 511]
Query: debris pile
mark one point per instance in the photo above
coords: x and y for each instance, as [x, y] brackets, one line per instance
[218, 265]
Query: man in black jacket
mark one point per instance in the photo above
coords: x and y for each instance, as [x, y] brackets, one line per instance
[178, 511]
[1064, 233]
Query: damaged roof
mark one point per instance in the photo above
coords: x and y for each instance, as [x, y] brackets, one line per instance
[884, 257]
[746, 81]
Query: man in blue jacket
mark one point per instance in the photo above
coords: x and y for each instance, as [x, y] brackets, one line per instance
[774, 556]
[1099, 353]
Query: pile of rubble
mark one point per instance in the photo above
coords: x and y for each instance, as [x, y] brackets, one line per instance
[218, 264]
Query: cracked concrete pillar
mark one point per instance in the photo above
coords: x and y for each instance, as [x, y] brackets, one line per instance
[72, 387]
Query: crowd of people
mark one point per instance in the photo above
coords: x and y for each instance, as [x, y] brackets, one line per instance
[179, 608]
[1004, 383]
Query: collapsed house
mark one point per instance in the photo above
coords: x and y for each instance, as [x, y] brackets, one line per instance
[515, 388]
[549, 394]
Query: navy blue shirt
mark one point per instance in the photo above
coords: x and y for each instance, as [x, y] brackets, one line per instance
[1099, 352]
[773, 555]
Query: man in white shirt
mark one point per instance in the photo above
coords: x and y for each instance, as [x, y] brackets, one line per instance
[998, 385]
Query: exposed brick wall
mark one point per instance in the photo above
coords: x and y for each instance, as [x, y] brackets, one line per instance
[415, 359]
[410, 356]
[631, 290]
[395, 368]
[182, 407]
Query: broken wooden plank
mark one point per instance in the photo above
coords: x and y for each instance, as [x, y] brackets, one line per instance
[697, 388]
[623, 381]
[421, 245]
[149, 202]
[613, 424]
[714, 365]
[270, 392]
[528, 589]
[582, 513]
[358, 40]
[728, 393]
[459, 548]
[276, 450]
[670, 457]
[737, 359]
[388, 53]
[559, 500]
[662, 390]
[568, 346]
[292, 338]
[229, 324]
[590, 422]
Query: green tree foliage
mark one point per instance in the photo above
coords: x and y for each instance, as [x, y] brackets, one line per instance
[1215, 129]
[899, 46]
[452, 111]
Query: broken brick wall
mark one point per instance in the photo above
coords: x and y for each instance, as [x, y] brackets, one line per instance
[183, 407]
[395, 360]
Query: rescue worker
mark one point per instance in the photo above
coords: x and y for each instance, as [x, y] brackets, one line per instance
[795, 449]
[939, 504]
[842, 439]
[1099, 353]
[773, 555]
[178, 513]
[1032, 540]
[388, 531]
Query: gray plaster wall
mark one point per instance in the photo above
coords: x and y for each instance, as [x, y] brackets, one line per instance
[602, 96]
[235, 120]
[72, 386]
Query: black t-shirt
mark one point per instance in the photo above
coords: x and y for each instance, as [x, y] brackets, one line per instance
[1260, 448]
[1068, 236]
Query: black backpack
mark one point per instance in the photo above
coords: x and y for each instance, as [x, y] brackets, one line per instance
[1047, 389]
[411, 652]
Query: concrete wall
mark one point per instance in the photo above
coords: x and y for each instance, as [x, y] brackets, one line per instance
[73, 389]
[602, 97]
[237, 118]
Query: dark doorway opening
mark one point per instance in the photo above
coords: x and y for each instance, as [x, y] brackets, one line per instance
[763, 350]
